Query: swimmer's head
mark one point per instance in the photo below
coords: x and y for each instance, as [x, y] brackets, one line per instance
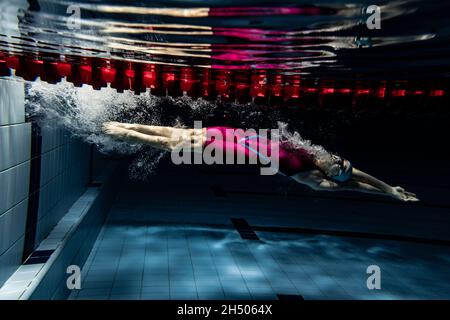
[345, 171]
[334, 167]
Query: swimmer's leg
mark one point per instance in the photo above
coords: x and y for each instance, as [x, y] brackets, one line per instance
[137, 137]
[160, 142]
[197, 137]
[162, 131]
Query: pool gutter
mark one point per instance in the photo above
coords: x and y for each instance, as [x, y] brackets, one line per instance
[44, 276]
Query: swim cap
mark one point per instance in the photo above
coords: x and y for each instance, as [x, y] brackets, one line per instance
[345, 174]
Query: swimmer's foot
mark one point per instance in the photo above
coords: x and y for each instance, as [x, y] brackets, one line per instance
[123, 125]
[401, 194]
[112, 129]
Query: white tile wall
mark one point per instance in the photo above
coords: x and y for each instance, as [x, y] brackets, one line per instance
[64, 165]
[14, 183]
[15, 143]
[63, 176]
[11, 102]
[53, 137]
[12, 225]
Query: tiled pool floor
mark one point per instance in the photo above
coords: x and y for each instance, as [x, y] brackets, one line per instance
[172, 238]
[153, 260]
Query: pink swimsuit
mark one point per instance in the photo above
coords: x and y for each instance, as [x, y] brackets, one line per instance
[291, 161]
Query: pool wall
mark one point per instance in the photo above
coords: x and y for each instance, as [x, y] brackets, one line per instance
[42, 173]
[15, 151]
[83, 222]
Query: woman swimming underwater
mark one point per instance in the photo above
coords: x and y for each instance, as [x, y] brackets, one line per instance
[324, 172]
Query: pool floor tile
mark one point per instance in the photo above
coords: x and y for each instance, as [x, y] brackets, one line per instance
[170, 261]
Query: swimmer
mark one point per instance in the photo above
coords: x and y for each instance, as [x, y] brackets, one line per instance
[325, 172]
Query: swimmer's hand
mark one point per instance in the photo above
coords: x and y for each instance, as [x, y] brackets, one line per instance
[401, 194]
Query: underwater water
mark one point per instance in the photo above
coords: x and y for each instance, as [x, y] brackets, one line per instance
[324, 39]
[89, 62]
[82, 112]
[314, 70]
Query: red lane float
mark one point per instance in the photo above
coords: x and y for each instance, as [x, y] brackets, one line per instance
[271, 86]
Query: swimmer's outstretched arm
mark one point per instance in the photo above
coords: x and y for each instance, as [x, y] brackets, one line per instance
[396, 192]
[351, 185]
[366, 178]
[318, 181]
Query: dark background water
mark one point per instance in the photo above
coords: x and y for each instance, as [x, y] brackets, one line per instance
[403, 141]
